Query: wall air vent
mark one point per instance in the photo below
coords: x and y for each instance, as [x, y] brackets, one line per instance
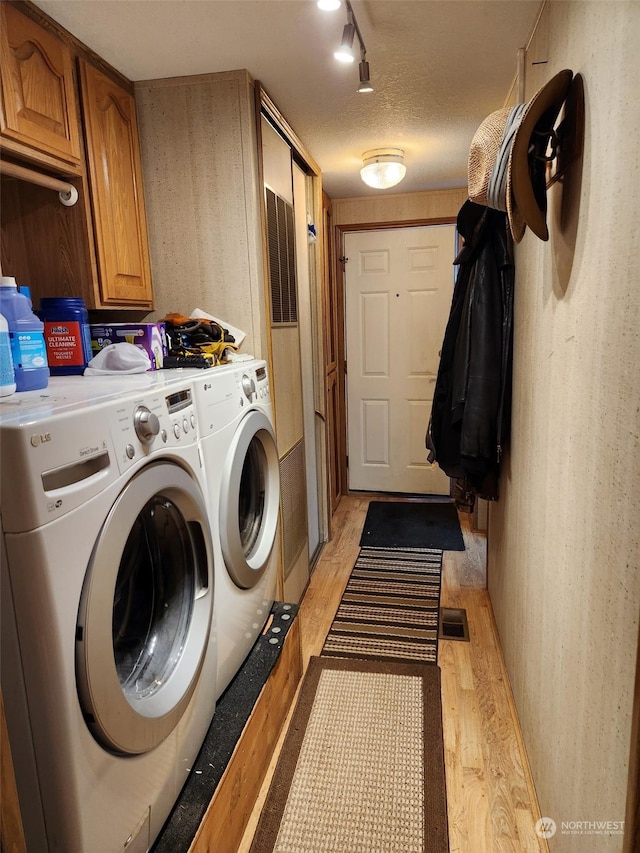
[282, 260]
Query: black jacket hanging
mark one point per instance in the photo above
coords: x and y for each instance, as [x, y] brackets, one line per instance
[472, 400]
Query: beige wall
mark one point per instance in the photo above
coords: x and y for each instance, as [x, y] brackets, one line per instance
[199, 156]
[398, 207]
[563, 539]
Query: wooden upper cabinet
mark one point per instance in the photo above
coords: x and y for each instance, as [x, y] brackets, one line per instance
[38, 92]
[115, 176]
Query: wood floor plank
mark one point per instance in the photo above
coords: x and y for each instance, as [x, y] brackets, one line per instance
[456, 811]
[490, 794]
[463, 669]
[476, 806]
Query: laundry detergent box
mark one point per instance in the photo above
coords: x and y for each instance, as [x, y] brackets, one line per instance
[150, 337]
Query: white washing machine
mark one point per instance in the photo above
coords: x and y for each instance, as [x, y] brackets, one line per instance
[108, 668]
[243, 486]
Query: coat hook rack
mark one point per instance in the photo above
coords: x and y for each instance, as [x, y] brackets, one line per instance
[67, 192]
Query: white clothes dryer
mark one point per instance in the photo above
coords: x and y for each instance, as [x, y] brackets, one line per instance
[243, 488]
[108, 666]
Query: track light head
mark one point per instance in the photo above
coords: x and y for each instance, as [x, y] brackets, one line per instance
[365, 81]
[345, 51]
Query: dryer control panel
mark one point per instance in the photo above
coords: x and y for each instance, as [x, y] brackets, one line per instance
[262, 384]
[226, 393]
[255, 384]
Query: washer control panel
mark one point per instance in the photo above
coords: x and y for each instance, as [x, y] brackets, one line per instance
[62, 458]
[157, 422]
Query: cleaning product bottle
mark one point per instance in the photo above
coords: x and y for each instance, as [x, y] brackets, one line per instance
[66, 334]
[26, 334]
[7, 376]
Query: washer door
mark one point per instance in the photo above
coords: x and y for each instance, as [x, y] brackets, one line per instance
[250, 500]
[145, 611]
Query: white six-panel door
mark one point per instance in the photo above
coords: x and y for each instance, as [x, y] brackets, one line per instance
[399, 286]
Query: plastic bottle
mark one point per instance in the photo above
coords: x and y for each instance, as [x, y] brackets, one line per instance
[7, 376]
[26, 334]
[66, 334]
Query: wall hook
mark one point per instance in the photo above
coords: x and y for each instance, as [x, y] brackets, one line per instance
[570, 132]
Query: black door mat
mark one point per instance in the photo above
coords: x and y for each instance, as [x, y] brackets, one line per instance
[233, 709]
[412, 524]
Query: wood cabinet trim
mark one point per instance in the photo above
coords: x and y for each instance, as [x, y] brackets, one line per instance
[118, 286]
[77, 48]
[37, 126]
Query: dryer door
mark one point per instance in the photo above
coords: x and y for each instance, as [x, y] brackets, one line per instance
[145, 613]
[250, 499]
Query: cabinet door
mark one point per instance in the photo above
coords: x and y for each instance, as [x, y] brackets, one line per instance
[115, 175]
[38, 93]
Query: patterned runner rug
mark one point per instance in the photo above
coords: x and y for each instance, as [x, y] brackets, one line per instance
[362, 765]
[389, 610]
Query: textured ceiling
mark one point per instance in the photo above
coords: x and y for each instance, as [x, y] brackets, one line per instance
[438, 68]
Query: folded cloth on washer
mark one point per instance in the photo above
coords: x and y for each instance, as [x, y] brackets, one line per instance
[118, 358]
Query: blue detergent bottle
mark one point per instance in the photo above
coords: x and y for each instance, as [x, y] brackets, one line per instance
[26, 336]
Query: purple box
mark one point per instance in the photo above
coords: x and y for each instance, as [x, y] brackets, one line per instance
[150, 337]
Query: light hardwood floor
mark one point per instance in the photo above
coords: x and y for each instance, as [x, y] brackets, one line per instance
[491, 802]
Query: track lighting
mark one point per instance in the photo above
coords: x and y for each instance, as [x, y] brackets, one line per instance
[345, 52]
[383, 167]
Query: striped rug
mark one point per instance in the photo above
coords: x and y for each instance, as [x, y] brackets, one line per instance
[389, 610]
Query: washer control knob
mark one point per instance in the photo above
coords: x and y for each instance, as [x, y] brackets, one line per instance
[146, 424]
[248, 386]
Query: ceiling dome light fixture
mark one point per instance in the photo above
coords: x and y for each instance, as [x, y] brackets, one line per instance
[329, 5]
[383, 167]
